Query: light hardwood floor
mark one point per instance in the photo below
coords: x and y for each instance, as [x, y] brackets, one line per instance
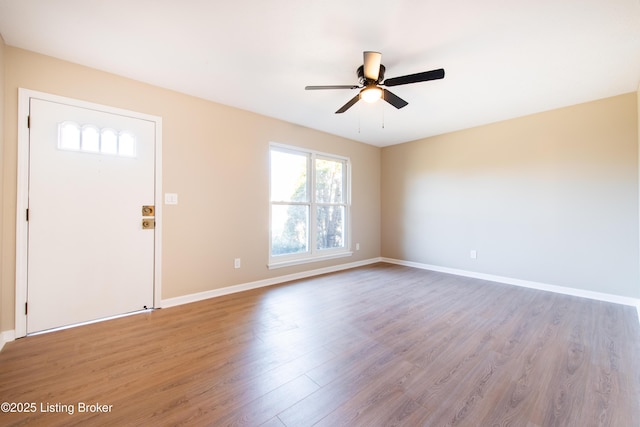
[380, 345]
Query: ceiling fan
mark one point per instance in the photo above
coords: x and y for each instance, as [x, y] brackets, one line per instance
[371, 76]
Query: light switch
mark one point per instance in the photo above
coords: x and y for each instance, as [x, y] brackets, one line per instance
[170, 199]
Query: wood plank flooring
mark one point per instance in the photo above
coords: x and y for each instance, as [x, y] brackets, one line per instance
[381, 345]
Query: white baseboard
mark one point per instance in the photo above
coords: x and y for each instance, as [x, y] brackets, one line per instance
[6, 336]
[185, 299]
[617, 299]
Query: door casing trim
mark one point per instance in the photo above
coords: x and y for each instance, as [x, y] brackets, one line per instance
[22, 202]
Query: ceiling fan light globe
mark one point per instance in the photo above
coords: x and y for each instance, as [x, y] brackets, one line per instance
[371, 94]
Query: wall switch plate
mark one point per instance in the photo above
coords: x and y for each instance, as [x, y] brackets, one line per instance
[236, 263]
[170, 199]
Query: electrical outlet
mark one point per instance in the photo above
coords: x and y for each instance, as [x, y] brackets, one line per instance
[473, 254]
[357, 246]
[236, 263]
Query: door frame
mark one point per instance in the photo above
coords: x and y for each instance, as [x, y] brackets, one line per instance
[22, 202]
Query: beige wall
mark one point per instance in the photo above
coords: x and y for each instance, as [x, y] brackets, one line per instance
[215, 157]
[3, 315]
[551, 198]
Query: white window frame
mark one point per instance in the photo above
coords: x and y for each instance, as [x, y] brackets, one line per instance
[313, 254]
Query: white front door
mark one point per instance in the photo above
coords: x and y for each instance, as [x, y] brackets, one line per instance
[90, 174]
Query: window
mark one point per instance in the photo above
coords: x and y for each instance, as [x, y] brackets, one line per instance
[90, 139]
[309, 206]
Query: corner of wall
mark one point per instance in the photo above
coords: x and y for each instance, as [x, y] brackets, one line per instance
[2, 192]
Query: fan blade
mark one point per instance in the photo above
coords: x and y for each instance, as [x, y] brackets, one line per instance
[349, 104]
[331, 87]
[372, 65]
[415, 78]
[393, 99]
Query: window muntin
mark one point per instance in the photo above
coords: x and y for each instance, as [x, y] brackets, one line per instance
[90, 138]
[309, 205]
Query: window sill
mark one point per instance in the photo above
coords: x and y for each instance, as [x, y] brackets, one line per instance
[298, 261]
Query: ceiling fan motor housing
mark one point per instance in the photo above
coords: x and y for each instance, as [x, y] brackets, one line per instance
[366, 82]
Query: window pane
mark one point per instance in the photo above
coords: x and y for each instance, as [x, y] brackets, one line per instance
[127, 145]
[330, 227]
[69, 137]
[90, 139]
[288, 177]
[329, 181]
[109, 141]
[289, 229]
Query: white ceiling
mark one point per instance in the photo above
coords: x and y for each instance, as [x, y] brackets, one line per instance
[503, 59]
